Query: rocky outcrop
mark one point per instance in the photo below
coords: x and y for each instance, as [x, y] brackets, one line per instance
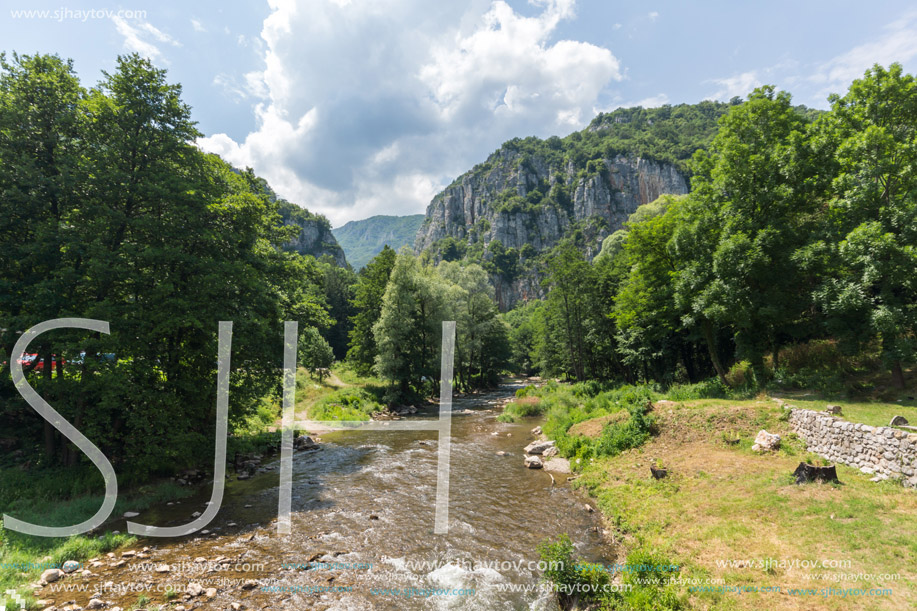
[522, 202]
[314, 237]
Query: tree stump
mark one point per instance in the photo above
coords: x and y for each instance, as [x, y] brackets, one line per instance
[810, 473]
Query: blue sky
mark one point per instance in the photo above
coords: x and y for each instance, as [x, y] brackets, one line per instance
[359, 107]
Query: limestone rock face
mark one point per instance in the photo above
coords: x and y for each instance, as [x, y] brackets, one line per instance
[315, 238]
[596, 203]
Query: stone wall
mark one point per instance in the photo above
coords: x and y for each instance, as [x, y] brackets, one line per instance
[885, 452]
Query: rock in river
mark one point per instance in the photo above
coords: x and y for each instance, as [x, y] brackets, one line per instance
[538, 447]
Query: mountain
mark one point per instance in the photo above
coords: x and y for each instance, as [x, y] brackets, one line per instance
[314, 237]
[362, 240]
[508, 211]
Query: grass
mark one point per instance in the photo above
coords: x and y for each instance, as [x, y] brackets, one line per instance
[722, 502]
[873, 413]
[345, 395]
[24, 557]
[522, 407]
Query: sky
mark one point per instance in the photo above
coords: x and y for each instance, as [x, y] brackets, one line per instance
[353, 108]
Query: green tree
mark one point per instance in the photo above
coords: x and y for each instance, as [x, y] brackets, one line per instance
[571, 280]
[158, 239]
[315, 353]
[482, 344]
[368, 293]
[40, 183]
[870, 290]
[338, 283]
[755, 187]
[409, 329]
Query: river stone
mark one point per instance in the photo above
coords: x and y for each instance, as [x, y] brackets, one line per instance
[95, 603]
[533, 462]
[51, 575]
[251, 584]
[538, 447]
[898, 421]
[70, 566]
[210, 592]
[558, 465]
[163, 568]
[765, 441]
[195, 589]
[303, 442]
[537, 430]
[552, 451]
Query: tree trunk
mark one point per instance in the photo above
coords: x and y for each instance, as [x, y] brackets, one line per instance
[688, 360]
[898, 374]
[49, 431]
[757, 365]
[711, 348]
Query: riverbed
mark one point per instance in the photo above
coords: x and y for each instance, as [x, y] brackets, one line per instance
[362, 528]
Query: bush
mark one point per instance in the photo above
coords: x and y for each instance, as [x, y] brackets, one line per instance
[650, 576]
[740, 375]
[522, 407]
[565, 409]
[711, 388]
[345, 404]
[569, 574]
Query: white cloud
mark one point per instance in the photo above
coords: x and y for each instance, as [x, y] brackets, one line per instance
[653, 101]
[137, 39]
[417, 92]
[738, 85]
[654, 15]
[898, 44]
[197, 25]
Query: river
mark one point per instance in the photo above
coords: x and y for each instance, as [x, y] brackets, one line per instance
[363, 507]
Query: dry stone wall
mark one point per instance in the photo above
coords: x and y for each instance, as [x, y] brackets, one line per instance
[886, 452]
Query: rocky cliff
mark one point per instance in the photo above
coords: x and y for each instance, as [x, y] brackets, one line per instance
[605, 199]
[315, 237]
[531, 193]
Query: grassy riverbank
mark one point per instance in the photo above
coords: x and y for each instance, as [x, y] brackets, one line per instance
[735, 520]
[60, 498]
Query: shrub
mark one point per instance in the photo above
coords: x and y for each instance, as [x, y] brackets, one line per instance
[522, 407]
[650, 576]
[570, 574]
[345, 404]
[564, 409]
[740, 375]
[711, 388]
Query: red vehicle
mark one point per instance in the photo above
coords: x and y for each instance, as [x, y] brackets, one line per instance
[26, 361]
